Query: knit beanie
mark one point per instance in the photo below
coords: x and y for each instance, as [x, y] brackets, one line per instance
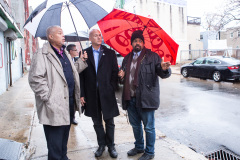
[137, 34]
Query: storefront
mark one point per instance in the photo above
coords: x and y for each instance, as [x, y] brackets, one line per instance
[10, 50]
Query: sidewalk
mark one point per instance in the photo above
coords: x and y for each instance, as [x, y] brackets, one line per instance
[19, 122]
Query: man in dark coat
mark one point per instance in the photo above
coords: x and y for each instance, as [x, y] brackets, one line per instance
[141, 94]
[98, 83]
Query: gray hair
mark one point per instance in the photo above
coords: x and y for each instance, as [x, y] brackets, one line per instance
[50, 30]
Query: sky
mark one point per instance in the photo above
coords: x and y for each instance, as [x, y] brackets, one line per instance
[195, 8]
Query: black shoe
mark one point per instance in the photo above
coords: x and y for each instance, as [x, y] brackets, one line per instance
[112, 151]
[134, 152]
[146, 156]
[99, 152]
[74, 122]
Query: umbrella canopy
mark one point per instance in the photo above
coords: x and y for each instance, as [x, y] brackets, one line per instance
[69, 14]
[74, 37]
[118, 26]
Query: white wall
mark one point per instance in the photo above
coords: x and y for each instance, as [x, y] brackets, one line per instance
[194, 37]
[2, 70]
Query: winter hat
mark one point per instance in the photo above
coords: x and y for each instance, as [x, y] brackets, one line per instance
[137, 34]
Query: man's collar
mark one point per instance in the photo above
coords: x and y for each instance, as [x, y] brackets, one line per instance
[96, 50]
[137, 52]
[55, 49]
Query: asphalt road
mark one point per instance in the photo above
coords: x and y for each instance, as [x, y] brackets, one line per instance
[201, 114]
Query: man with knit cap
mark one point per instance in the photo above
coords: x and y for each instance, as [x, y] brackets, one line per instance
[141, 93]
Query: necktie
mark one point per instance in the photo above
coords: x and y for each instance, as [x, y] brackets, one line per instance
[132, 73]
[96, 57]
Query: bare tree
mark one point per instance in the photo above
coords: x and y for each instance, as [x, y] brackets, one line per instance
[219, 19]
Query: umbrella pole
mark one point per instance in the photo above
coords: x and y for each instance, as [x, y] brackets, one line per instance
[75, 28]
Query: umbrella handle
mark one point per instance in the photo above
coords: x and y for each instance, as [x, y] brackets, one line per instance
[74, 28]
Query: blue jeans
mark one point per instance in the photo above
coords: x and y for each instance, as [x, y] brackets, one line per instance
[136, 117]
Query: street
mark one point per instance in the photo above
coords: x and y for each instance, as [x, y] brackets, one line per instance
[202, 114]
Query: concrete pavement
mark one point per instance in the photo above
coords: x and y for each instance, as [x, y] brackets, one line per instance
[19, 122]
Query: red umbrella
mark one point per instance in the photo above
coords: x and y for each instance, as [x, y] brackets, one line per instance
[117, 28]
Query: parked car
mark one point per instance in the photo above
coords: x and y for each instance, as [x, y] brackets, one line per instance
[217, 68]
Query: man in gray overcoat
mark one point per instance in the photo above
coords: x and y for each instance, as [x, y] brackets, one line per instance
[55, 81]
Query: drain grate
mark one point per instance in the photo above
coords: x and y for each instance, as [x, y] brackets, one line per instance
[222, 155]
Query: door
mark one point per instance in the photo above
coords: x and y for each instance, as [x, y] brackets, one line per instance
[196, 68]
[7, 61]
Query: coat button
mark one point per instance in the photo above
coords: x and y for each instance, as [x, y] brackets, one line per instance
[65, 97]
[65, 86]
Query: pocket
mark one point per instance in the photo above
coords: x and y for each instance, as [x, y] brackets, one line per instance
[147, 67]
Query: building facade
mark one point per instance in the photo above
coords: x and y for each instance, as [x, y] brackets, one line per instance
[232, 36]
[12, 44]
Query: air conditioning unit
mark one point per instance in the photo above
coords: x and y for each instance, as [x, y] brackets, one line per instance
[10, 34]
[3, 25]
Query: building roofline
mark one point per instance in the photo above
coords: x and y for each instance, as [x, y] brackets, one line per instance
[10, 21]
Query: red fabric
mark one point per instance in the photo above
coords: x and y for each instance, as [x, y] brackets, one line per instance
[117, 28]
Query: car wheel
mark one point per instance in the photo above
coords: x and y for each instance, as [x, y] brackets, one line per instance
[216, 76]
[185, 72]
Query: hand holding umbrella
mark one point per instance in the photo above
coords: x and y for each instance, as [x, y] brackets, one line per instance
[84, 56]
[121, 74]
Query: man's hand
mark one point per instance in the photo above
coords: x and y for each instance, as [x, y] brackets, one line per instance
[121, 74]
[165, 65]
[82, 101]
[84, 56]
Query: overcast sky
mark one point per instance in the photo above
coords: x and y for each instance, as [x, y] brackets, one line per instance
[195, 8]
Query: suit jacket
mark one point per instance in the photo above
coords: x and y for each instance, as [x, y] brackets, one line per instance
[48, 82]
[106, 80]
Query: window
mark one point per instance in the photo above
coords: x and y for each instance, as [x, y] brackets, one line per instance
[213, 61]
[210, 61]
[201, 36]
[231, 35]
[238, 33]
[199, 61]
